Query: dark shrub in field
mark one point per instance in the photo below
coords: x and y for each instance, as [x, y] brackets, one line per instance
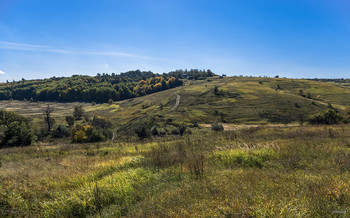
[70, 120]
[216, 126]
[181, 128]
[61, 132]
[328, 117]
[142, 131]
[101, 122]
[155, 131]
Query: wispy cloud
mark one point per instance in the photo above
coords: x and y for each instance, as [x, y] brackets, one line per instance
[2, 72]
[41, 48]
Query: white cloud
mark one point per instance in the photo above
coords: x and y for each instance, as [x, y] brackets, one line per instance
[2, 72]
[41, 48]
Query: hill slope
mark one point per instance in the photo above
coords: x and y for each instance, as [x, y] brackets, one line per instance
[237, 100]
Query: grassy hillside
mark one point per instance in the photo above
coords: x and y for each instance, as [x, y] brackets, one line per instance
[243, 101]
[240, 100]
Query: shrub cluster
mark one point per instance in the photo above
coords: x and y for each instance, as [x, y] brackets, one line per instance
[328, 117]
[87, 133]
[16, 130]
[216, 126]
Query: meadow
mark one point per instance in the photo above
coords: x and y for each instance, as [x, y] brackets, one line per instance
[277, 171]
[269, 162]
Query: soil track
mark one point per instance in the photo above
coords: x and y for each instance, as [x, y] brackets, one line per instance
[177, 102]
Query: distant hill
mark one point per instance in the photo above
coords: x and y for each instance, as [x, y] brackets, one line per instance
[237, 100]
[99, 89]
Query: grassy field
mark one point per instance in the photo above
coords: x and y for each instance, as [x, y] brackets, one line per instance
[265, 164]
[254, 172]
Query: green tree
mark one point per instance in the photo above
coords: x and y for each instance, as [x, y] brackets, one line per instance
[101, 122]
[216, 90]
[78, 133]
[70, 120]
[49, 120]
[78, 112]
[16, 130]
[182, 128]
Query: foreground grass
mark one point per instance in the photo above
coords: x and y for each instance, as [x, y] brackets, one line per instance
[254, 172]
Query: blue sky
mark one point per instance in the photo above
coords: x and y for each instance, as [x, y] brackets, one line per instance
[290, 38]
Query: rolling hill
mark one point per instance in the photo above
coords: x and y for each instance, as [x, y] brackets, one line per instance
[238, 100]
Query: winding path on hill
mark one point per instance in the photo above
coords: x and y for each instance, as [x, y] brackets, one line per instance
[177, 102]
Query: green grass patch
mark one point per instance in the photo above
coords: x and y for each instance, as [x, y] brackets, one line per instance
[238, 157]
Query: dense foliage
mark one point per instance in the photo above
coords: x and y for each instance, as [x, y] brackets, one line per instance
[15, 130]
[327, 117]
[341, 80]
[101, 88]
[192, 74]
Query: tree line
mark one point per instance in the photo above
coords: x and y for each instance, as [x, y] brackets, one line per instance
[99, 89]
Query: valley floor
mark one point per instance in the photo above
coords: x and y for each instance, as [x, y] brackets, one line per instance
[247, 172]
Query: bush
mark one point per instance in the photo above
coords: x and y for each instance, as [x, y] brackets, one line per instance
[216, 126]
[17, 134]
[141, 131]
[328, 117]
[78, 133]
[61, 132]
[87, 133]
[17, 130]
[101, 122]
[162, 132]
[96, 136]
[70, 120]
[155, 131]
[181, 128]
[347, 118]
[174, 131]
